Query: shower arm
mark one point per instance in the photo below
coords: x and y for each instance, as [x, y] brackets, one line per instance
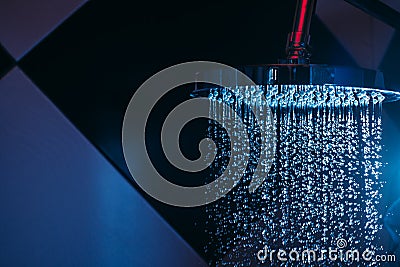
[297, 47]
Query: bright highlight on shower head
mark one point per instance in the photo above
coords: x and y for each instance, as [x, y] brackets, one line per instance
[320, 85]
[308, 86]
[303, 96]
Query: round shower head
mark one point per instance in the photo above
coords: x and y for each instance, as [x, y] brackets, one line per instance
[324, 84]
[313, 85]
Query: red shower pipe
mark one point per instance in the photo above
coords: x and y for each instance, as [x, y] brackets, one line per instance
[297, 48]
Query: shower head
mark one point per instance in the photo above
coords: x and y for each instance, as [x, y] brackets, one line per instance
[296, 68]
[318, 85]
[343, 79]
[297, 72]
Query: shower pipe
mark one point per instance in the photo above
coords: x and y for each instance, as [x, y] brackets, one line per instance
[297, 47]
[296, 68]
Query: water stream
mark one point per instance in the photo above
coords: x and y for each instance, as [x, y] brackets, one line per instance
[324, 183]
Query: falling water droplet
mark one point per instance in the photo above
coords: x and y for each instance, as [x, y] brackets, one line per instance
[325, 179]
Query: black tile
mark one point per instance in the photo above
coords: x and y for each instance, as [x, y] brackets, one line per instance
[7, 62]
[390, 63]
[390, 68]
